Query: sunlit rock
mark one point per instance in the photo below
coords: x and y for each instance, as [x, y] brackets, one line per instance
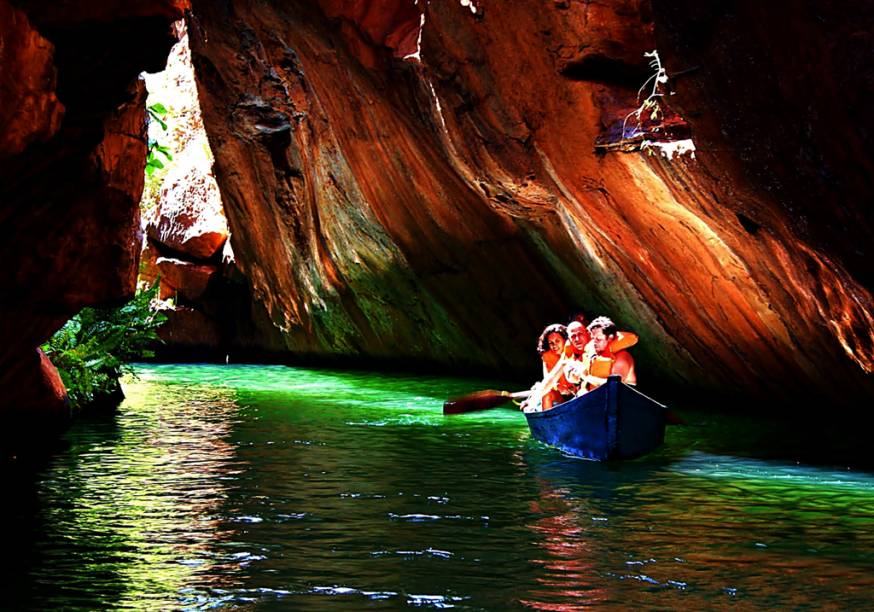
[189, 217]
[178, 277]
[445, 210]
[186, 210]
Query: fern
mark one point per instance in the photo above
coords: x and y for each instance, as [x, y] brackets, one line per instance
[93, 349]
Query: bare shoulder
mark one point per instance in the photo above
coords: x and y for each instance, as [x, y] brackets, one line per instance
[624, 357]
[623, 365]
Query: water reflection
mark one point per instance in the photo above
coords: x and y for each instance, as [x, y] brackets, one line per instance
[246, 486]
[138, 512]
[568, 573]
[704, 527]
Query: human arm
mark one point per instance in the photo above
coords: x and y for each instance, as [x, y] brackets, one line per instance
[556, 379]
[623, 365]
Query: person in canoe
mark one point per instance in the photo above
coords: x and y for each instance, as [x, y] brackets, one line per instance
[565, 377]
[555, 387]
[551, 346]
[605, 355]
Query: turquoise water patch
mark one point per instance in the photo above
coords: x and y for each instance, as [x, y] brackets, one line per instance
[268, 486]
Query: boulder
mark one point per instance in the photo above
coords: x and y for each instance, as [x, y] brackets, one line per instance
[149, 264]
[189, 217]
[188, 280]
[36, 406]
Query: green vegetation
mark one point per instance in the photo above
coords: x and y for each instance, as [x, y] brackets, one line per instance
[94, 348]
[157, 112]
[650, 109]
[156, 169]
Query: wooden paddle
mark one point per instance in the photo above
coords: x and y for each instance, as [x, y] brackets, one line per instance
[481, 400]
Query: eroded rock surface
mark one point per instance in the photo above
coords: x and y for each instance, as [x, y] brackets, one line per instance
[187, 245]
[70, 186]
[187, 215]
[30, 111]
[445, 203]
[189, 218]
[432, 194]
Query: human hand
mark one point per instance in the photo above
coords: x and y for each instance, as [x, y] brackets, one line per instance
[565, 389]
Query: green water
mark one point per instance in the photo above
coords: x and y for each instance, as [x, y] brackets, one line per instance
[272, 487]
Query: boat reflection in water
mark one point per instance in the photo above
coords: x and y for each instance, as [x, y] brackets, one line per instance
[568, 573]
[586, 560]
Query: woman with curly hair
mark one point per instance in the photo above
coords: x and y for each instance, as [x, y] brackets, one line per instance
[551, 346]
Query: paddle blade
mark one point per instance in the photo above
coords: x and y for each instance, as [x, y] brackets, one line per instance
[479, 400]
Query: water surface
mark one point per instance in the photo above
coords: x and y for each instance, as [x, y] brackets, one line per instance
[275, 487]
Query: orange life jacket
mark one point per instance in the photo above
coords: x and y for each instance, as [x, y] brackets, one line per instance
[622, 341]
[601, 366]
[550, 359]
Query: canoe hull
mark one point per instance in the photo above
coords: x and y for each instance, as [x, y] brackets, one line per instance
[614, 421]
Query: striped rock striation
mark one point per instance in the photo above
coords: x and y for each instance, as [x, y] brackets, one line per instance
[433, 182]
[420, 182]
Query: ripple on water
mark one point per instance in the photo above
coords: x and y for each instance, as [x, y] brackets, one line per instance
[428, 552]
[220, 486]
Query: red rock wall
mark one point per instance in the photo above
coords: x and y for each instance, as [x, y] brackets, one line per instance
[30, 111]
[447, 210]
[72, 141]
[779, 102]
[340, 200]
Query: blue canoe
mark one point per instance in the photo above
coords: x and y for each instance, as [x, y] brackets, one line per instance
[614, 421]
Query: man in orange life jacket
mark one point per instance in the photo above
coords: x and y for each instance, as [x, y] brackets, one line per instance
[598, 360]
[576, 353]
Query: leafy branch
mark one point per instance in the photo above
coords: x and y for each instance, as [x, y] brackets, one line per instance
[650, 104]
[157, 112]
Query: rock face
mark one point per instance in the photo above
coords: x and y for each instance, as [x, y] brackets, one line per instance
[37, 402]
[72, 129]
[786, 145]
[443, 201]
[419, 181]
[190, 218]
[31, 111]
